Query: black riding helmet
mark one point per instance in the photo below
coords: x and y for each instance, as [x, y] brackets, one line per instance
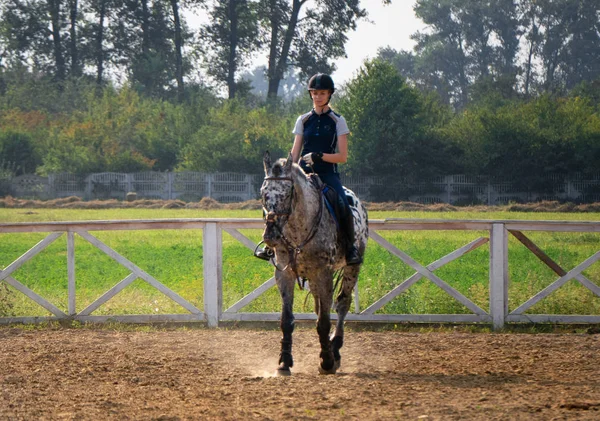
[321, 81]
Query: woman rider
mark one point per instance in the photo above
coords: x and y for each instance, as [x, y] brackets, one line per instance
[321, 138]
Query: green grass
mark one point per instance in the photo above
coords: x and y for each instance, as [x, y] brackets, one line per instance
[174, 257]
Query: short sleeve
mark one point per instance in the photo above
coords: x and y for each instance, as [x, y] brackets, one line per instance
[342, 126]
[299, 127]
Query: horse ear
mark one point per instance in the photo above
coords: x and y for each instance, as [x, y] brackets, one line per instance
[289, 162]
[267, 162]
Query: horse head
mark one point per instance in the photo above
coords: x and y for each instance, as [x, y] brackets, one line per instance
[277, 193]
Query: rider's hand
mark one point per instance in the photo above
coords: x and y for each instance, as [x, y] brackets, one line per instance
[312, 158]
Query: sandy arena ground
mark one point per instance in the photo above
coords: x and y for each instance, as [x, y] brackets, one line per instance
[227, 374]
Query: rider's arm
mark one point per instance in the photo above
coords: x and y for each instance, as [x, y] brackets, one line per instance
[297, 148]
[341, 156]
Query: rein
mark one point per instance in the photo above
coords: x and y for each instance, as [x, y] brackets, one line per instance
[294, 250]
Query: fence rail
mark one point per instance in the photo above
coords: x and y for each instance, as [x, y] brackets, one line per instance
[235, 187]
[213, 312]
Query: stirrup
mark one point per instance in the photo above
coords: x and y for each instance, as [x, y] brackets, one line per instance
[264, 254]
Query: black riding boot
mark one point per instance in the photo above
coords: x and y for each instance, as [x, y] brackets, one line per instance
[353, 256]
[265, 253]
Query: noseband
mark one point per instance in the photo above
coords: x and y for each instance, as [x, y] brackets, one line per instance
[293, 249]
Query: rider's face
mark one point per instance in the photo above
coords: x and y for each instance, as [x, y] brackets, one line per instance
[320, 97]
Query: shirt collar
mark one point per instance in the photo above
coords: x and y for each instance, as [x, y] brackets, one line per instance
[323, 113]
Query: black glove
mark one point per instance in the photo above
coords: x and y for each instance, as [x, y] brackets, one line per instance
[312, 158]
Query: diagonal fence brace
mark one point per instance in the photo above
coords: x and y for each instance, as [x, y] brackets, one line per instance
[427, 273]
[450, 257]
[139, 272]
[547, 260]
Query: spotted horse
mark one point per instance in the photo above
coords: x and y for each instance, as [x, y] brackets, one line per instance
[306, 243]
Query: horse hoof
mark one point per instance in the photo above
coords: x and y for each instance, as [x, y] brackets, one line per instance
[332, 370]
[283, 372]
[337, 364]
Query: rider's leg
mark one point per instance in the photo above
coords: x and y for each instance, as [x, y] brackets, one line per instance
[353, 256]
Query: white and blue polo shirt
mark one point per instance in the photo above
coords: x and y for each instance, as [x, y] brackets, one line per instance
[320, 134]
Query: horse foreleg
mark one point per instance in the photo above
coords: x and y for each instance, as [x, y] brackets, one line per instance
[342, 307]
[285, 283]
[323, 304]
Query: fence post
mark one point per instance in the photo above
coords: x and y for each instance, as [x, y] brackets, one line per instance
[209, 180]
[51, 188]
[249, 195]
[129, 179]
[170, 178]
[88, 187]
[213, 273]
[498, 275]
[71, 271]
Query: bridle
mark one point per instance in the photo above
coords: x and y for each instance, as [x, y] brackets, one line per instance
[271, 220]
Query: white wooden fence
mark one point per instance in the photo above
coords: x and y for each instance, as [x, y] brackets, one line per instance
[213, 312]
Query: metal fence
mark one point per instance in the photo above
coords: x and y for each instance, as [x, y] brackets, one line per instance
[236, 187]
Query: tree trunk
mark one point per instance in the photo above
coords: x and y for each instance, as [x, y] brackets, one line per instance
[100, 44]
[528, 71]
[178, 53]
[273, 52]
[233, 41]
[145, 28]
[463, 80]
[278, 60]
[75, 68]
[59, 60]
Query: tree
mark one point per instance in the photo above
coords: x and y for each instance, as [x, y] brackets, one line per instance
[144, 45]
[306, 39]
[29, 35]
[468, 41]
[98, 34]
[234, 139]
[16, 149]
[178, 41]
[229, 40]
[383, 115]
[290, 86]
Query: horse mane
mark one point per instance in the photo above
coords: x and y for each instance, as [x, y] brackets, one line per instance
[296, 172]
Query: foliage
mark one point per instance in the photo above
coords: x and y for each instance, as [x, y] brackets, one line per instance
[388, 133]
[120, 131]
[17, 148]
[528, 139]
[235, 139]
[401, 128]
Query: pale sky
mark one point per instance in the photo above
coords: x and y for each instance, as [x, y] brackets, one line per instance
[389, 25]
